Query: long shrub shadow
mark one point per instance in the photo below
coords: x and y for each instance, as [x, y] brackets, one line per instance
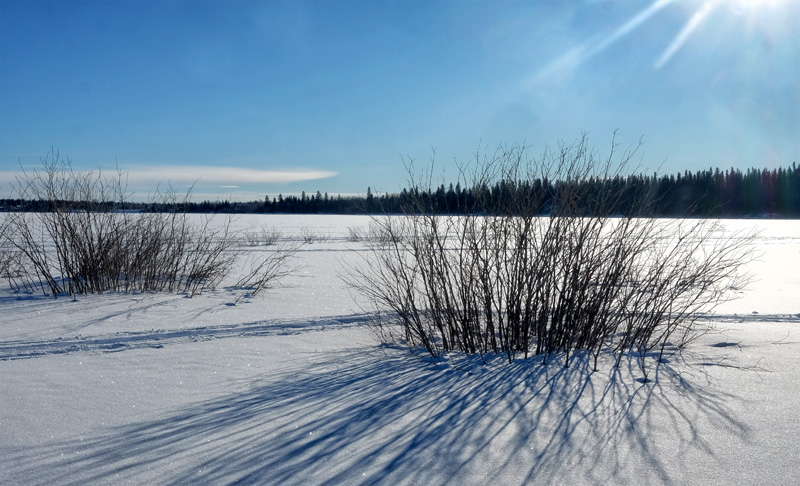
[383, 417]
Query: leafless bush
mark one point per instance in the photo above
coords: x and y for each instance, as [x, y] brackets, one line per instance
[11, 267]
[309, 236]
[378, 234]
[262, 272]
[264, 236]
[355, 234]
[81, 243]
[5, 250]
[502, 278]
[8, 260]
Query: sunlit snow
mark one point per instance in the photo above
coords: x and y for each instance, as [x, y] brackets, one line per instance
[292, 387]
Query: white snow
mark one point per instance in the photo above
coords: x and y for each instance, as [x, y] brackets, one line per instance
[291, 387]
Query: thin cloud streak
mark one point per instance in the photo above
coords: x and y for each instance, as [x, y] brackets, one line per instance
[223, 176]
[146, 178]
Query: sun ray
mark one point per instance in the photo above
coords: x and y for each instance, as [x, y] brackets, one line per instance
[575, 57]
[582, 53]
[629, 26]
[687, 30]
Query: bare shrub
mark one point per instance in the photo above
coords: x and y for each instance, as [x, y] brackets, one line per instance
[5, 249]
[309, 236]
[355, 234]
[264, 236]
[81, 242]
[377, 234]
[261, 272]
[542, 267]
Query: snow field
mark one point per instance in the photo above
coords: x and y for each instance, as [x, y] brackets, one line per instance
[291, 387]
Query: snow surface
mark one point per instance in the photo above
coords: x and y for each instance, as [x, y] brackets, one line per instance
[291, 387]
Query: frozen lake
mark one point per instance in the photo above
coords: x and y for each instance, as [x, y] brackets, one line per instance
[291, 387]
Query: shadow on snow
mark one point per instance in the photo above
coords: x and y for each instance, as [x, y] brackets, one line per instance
[379, 416]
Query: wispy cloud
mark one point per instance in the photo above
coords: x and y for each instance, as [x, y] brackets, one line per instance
[147, 178]
[222, 176]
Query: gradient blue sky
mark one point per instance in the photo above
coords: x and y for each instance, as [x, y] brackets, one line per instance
[328, 95]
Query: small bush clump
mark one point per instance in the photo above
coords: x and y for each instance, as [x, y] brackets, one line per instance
[545, 271]
[264, 236]
[83, 241]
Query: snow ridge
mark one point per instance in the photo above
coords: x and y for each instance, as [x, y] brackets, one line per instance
[158, 338]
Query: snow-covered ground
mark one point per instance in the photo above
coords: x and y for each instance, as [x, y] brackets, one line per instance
[291, 387]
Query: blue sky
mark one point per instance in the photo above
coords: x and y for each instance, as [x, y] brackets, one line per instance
[253, 98]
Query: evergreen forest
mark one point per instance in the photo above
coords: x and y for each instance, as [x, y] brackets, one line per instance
[711, 192]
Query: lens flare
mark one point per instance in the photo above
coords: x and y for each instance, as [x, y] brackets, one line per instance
[679, 40]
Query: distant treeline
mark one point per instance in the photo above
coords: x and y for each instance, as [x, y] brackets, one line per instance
[710, 192]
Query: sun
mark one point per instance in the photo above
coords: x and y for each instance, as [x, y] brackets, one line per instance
[754, 11]
[752, 5]
[769, 17]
